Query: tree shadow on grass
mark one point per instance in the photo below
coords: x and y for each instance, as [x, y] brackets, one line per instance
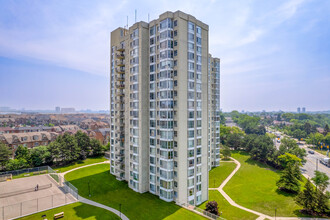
[260, 164]
[105, 189]
[286, 194]
[85, 211]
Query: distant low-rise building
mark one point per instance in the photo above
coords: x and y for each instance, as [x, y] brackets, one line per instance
[68, 110]
[29, 140]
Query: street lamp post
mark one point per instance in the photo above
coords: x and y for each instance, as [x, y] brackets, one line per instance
[275, 213]
[317, 163]
[89, 189]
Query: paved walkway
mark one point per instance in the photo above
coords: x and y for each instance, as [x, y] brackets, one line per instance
[90, 202]
[233, 203]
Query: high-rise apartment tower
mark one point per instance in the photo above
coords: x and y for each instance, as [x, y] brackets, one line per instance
[164, 106]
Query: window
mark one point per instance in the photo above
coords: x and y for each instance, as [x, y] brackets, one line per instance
[199, 49]
[191, 37]
[191, 66]
[175, 43]
[190, 46]
[175, 23]
[190, 56]
[191, 75]
[198, 40]
[191, 26]
[152, 30]
[198, 30]
[175, 53]
[175, 33]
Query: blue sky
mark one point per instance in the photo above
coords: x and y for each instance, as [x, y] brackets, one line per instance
[274, 54]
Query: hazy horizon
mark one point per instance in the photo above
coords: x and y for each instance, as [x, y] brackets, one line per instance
[274, 54]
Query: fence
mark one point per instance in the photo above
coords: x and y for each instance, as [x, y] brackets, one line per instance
[202, 211]
[35, 205]
[34, 170]
[41, 187]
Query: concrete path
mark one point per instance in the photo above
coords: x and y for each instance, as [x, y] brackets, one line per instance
[77, 168]
[233, 203]
[90, 202]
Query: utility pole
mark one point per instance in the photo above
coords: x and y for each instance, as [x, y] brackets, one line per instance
[317, 162]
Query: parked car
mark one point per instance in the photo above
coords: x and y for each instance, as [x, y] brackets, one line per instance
[311, 151]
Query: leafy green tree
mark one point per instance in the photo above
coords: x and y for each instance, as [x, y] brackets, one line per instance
[288, 181]
[315, 139]
[326, 130]
[288, 158]
[226, 152]
[308, 128]
[307, 197]
[262, 148]
[83, 142]
[289, 145]
[5, 154]
[321, 180]
[16, 164]
[97, 147]
[40, 156]
[22, 153]
[54, 149]
[69, 147]
[299, 134]
[234, 140]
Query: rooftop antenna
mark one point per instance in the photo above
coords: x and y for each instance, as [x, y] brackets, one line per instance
[148, 17]
[127, 23]
[135, 15]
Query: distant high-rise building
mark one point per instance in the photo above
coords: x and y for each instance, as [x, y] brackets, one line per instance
[164, 107]
[298, 109]
[57, 109]
[303, 110]
[67, 110]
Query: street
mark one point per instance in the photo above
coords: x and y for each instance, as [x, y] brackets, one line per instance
[313, 163]
[312, 160]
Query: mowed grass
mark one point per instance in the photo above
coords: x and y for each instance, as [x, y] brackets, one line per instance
[75, 211]
[254, 187]
[107, 190]
[229, 212]
[79, 163]
[219, 174]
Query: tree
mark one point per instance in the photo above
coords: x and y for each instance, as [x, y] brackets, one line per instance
[288, 158]
[321, 180]
[16, 164]
[69, 147]
[54, 149]
[308, 128]
[234, 140]
[262, 148]
[226, 152]
[83, 142]
[290, 146]
[288, 181]
[326, 130]
[322, 202]
[97, 147]
[306, 198]
[212, 207]
[299, 134]
[39, 156]
[22, 153]
[5, 154]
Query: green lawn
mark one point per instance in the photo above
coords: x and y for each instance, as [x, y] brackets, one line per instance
[219, 174]
[79, 164]
[107, 190]
[229, 212]
[75, 211]
[254, 187]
